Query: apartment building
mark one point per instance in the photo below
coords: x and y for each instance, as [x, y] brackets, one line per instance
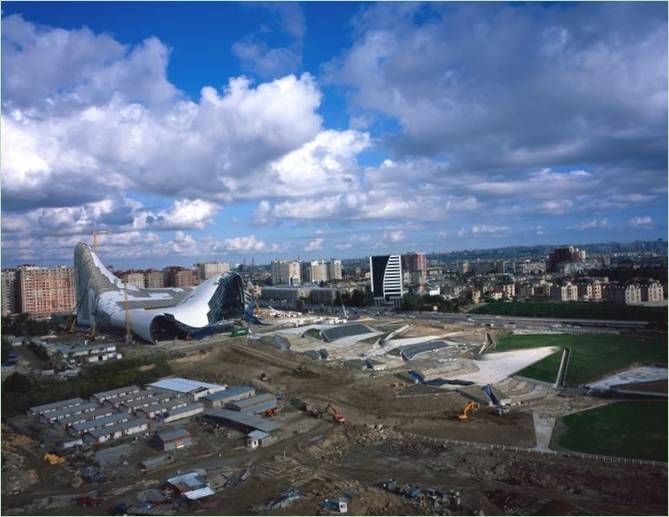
[566, 292]
[42, 291]
[652, 292]
[206, 270]
[135, 278]
[9, 293]
[154, 279]
[286, 272]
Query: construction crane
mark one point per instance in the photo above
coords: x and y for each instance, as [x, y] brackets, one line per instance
[128, 335]
[468, 410]
[94, 239]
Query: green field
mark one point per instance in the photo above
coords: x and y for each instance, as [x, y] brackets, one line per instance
[592, 355]
[626, 429]
[585, 310]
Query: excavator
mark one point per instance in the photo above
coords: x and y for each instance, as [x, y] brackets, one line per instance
[53, 459]
[336, 416]
[468, 410]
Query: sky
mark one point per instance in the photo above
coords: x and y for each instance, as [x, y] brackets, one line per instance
[187, 132]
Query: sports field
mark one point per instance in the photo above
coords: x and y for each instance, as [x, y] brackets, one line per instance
[636, 429]
[592, 357]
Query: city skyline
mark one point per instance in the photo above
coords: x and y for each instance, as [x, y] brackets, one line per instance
[221, 131]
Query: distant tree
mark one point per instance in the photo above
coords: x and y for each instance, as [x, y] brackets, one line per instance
[6, 348]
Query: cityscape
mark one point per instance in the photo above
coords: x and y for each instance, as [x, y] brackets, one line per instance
[303, 258]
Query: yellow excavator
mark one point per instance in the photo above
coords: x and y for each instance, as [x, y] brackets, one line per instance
[53, 459]
[468, 410]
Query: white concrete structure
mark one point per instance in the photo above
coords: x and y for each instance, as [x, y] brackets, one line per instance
[153, 314]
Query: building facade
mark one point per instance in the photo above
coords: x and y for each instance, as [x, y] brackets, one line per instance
[9, 293]
[314, 272]
[154, 279]
[42, 291]
[206, 270]
[386, 277]
[334, 269]
[134, 278]
[415, 263]
[652, 292]
[567, 254]
[179, 277]
[286, 272]
[566, 292]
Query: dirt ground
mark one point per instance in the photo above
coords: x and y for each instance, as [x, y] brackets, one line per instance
[406, 438]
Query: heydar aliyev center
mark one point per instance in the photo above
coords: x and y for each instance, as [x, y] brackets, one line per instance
[153, 314]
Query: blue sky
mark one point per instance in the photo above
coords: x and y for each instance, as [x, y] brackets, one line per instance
[197, 131]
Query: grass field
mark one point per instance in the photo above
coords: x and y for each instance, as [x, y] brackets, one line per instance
[592, 355]
[627, 429]
[606, 311]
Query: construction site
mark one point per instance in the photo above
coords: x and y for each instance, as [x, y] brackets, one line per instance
[305, 415]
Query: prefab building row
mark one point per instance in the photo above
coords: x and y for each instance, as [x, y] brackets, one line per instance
[53, 416]
[114, 432]
[183, 412]
[116, 393]
[221, 398]
[256, 404]
[141, 395]
[54, 406]
[85, 417]
[163, 408]
[98, 423]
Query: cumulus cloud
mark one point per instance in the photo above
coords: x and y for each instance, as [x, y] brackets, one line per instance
[482, 82]
[256, 56]
[641, 220]
[315, 245]
[394, 235]
[593, 224]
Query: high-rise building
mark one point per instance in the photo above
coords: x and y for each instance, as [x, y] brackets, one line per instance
[135, 278]
[9, 302]
[334, 269]
[386, 277]
[415, 262]
[42, 291]
[560, 255]
[314, 272]
[285, 272]
[206, 270]
[154, 279]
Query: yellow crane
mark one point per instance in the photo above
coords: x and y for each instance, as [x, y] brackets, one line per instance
[94, 239]
[128, 335]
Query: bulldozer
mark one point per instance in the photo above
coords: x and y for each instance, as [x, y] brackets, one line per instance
[53, 459]
[468, 410]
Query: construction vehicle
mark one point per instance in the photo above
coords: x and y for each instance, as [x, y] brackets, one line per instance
[468, 410]
[89, 500]
[264, 377]
[53, 459]
[272, 411]
[336, 416]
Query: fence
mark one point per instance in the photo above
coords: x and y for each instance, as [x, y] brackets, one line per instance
[564, 454]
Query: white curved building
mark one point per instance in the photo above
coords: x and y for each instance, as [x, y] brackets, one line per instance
[154, 314]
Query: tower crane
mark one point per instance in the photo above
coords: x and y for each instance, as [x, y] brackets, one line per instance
[94, 238]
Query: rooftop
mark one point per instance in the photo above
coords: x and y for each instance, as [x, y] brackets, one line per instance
[230, 392]
[182, 385]
[246, 419]
[173, 434]
[135, 422]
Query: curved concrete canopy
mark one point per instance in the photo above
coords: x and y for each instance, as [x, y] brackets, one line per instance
[154, 314]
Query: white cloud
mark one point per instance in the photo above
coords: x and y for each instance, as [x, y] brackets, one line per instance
[394, 235]
[593, 223]
[481, 229]
[244, 244]
[315, 245]
[641, 220]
